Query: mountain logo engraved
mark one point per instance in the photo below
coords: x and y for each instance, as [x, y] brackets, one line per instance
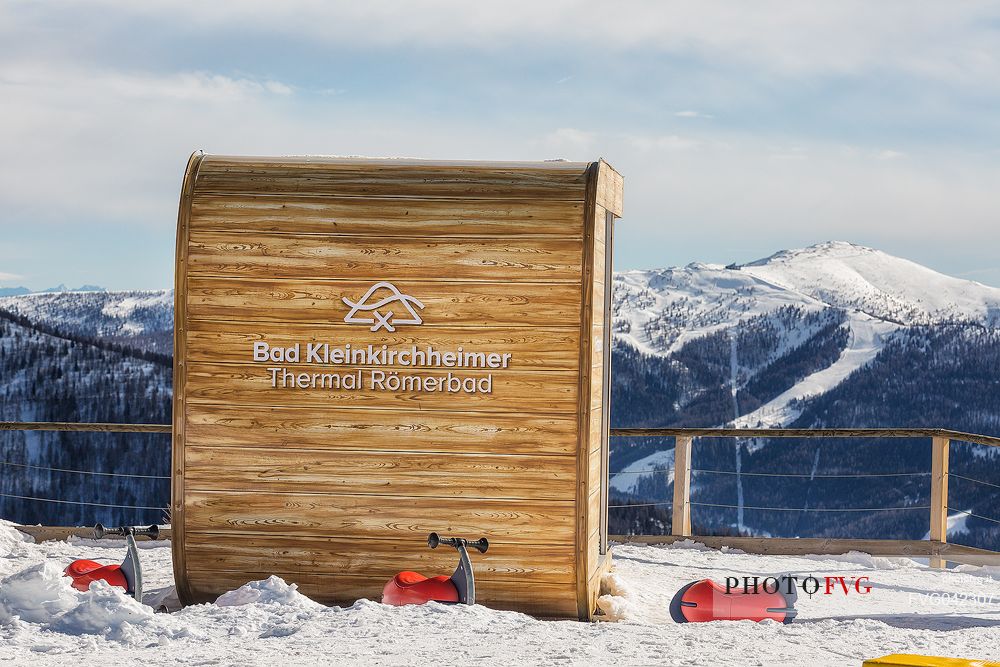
[375, 311]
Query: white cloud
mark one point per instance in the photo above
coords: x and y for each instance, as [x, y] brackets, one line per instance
[569, 139]
[662, 142]
[22, 79]
[90, 135]
[944, 41]
[4, 276]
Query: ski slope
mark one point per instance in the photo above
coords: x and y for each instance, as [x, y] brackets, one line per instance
[626, 479]
[44, 622]
[867, 337]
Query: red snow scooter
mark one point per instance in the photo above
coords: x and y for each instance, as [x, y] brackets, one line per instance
[460, 588]
[705, 600]
[128, 575]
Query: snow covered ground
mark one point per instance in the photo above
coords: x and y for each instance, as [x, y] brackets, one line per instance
[45, 622]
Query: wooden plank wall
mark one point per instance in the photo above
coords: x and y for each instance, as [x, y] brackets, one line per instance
[337, 490]
[592, 500]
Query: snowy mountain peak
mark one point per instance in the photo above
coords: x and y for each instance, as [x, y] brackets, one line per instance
[790, 298]
[854, 277]
[827, 249]
[658, 310]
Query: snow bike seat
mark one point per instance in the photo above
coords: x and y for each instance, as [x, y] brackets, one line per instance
[706, 600]
[128, 575]
[414, 588]
[82, 572]
[460, 588]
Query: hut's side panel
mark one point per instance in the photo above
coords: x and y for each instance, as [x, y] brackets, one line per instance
[605, 204]
[290, 460]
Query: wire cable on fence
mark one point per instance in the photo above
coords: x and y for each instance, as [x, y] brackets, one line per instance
[789, 509]
[81, 472]
[978, 516]
[817, 509]
[77, 502]
[783, 474]
[972, 479]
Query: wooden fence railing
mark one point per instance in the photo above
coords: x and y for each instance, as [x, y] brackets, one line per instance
[936, 548]
[92, 427]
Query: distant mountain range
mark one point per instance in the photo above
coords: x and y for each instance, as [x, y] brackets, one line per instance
[834, 335]
[789, 299]
[21, 291]
[831, 335]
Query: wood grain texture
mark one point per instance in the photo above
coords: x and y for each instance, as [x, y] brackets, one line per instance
[62, 533]
[939, 494]
[610, 188]
[361, 430]
[179, 416]
[385, 516]
[219, 341]
[94, 427]
[396, 473]
[380, 559]
[372, 258]
[222, 175]
[584, 407]
[874, 433]
[591, 497]
[445, 303]
[681, 507]
[291, 481]
[415, 218]
[226, 384]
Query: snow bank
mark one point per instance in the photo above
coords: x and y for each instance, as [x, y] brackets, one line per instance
[38, 594]
[44, 622]
[614, 600]
[272, 590]
[42, 595]
[103, 609]
[11, 539]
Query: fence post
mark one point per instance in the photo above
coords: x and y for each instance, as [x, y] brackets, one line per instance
[939, 495]
[681, 511]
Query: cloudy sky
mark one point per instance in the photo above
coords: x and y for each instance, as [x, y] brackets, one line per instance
[741, 128]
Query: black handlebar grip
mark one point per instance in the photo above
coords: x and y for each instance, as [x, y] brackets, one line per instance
[152, 532]
[480, 545]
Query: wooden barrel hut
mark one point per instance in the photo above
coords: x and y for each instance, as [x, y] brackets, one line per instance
[368, 350]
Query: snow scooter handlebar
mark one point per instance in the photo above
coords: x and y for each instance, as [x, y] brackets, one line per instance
[480, 545]
[152, 532]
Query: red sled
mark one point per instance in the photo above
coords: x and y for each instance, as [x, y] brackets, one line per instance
[128, 575]
[460, 588]
[705, 600]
